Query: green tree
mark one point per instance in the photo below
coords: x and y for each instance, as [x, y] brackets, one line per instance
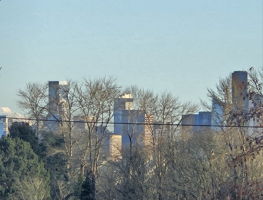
[88, 187]
[23, 175]
[25, 132]
[56, 164]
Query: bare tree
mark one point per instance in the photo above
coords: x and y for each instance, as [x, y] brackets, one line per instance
[32, 188]
[68, 109]
[166, 111]
[95, 99]
[239, 141]
[33, 99]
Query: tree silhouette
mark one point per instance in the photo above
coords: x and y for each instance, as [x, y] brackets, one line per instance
[88, 187]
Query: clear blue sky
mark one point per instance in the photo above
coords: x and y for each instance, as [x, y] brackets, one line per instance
[177, 46]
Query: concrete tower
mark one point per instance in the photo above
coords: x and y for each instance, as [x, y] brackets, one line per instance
[239, 91]
[53, 97]
[57, 94]
[58, 91]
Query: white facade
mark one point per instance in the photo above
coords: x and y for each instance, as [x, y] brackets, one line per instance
[3, 125]
[115, 147]
[129, 123]
[255, 116]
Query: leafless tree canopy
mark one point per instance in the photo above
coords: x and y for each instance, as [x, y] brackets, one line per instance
[226, 164]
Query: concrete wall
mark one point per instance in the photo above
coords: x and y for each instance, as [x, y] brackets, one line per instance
[217, 116]
[194, 123]
[256, 118]
[188, 121]
[115, 147]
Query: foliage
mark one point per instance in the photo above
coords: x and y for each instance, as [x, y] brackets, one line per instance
[88, 187]
[22, 173]
[55, 160]
[56, 164]
[25, 132]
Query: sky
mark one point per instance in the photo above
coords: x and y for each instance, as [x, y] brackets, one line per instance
[182, 47]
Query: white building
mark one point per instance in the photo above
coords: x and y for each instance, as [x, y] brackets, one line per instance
[3, 125]
[7, 117]
[128, 122]
[255, 115]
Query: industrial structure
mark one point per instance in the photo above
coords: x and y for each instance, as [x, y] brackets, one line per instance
[128, 123]
[197, 122]
[57, 99]
[241, 105]
[240, 92]
[134, 126]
